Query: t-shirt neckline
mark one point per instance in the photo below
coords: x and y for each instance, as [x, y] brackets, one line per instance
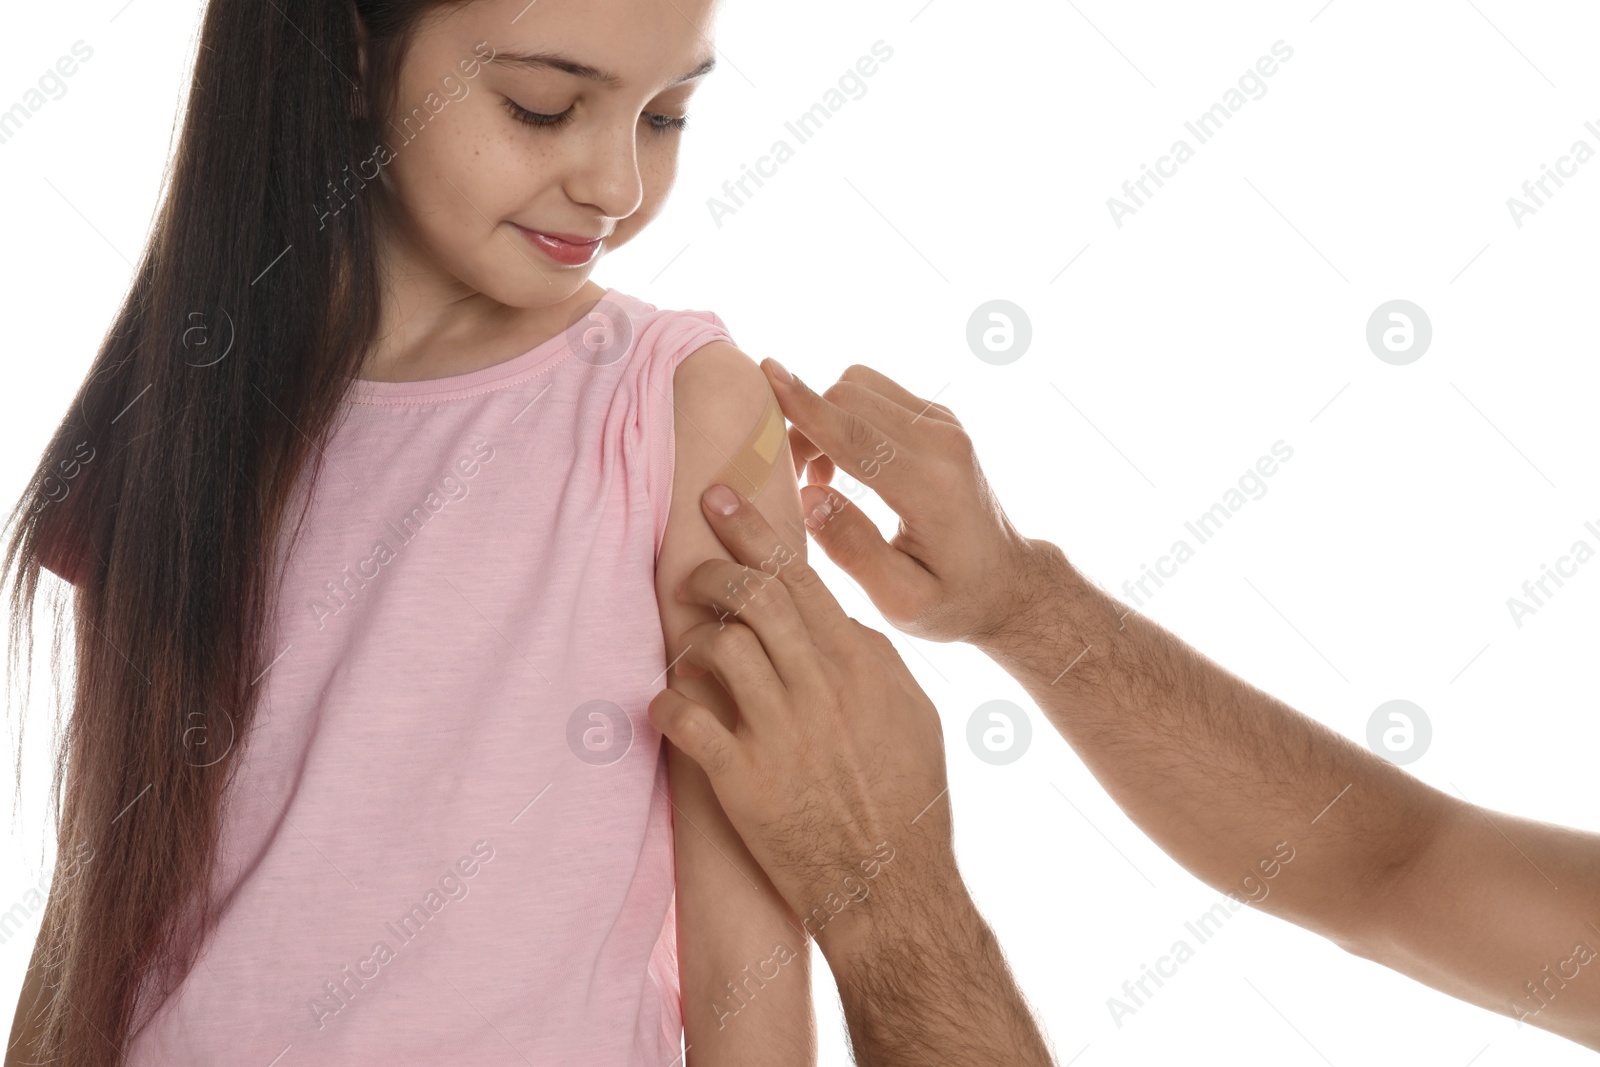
[550, 350]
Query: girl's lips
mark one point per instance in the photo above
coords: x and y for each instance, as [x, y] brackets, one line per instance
[565, 248]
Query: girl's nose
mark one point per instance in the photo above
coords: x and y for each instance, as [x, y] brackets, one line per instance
[607, 176]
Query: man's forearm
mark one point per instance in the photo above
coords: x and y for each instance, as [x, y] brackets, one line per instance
[1225, 778]
[923, 980]
[1275, 809]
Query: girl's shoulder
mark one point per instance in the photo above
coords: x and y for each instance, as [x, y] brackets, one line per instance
[624, 324]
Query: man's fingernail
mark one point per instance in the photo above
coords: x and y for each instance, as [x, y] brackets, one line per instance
[722, 500]
[779, 371]
[819, 514]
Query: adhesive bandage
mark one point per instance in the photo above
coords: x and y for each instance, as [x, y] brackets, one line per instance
[752, 465]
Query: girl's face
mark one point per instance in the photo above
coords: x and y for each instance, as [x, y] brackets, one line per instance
[513, 119]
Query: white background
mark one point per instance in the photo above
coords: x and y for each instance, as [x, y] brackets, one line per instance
[1226, 314]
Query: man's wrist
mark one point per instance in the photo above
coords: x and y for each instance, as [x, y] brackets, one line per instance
[923, 972]
[932, 908]
[1046, 595]
[919, 893]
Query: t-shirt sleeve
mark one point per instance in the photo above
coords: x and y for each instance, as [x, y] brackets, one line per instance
[665, 342]
[55, 558]
[60, 542]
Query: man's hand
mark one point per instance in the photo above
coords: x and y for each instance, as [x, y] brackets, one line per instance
[834, 775]
[956, 570]
[1496, 910]
[838, 750]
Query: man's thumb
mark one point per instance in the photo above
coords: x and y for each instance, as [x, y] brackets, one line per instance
[851, 539]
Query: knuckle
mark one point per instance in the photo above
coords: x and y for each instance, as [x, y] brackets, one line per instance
[715, 756]
[878, 639]
[802, 577]
[869, 638]
[951, 436]
[844, 541]
[741, 586]
[737, 643]
[854, 395]
[716, 639]
[849, 543]
[860, 434]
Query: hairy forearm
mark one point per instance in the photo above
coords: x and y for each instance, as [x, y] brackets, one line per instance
[1275, 809]
[1224, 777]
[922, 980]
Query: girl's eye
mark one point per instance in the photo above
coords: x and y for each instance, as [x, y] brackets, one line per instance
[657, 122]
[534, 118]
[667, 123]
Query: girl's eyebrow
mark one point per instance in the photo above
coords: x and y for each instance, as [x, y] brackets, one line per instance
[556, 61]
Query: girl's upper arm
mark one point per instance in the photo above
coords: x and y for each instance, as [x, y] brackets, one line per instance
[719, 394]
[743, 958]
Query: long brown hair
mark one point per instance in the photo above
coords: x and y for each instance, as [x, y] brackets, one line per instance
[165, 494]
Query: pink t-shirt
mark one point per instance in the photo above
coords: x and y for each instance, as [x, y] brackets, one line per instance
[448, 839]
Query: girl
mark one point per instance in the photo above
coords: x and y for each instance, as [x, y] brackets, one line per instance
[364, 502]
